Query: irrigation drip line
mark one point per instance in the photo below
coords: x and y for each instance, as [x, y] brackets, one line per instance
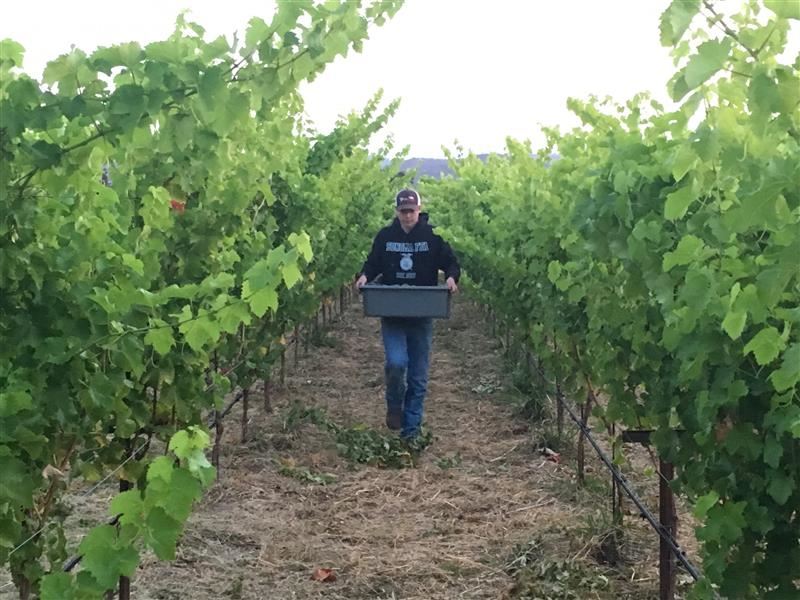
[73, 562]
[217, 417]
[645, 512]
[84, 494]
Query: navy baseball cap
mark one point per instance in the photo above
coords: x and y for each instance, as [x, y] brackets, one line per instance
[407, 199]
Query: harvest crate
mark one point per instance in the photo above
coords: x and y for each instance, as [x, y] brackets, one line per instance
[406, 301]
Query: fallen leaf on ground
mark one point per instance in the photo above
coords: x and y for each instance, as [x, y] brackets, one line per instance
[551, 455]
[322, 574]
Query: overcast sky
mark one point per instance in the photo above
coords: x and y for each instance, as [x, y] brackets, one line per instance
[475, 71]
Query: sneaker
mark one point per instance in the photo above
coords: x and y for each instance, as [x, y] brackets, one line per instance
[394, 420]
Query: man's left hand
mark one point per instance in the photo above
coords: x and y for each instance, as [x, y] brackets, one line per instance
[452, 285]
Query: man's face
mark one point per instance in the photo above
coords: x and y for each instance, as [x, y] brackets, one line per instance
[408, 216]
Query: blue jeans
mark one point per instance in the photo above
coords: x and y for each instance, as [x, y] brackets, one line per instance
[407, 346]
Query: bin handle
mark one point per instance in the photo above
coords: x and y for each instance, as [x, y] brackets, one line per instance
[377, 279]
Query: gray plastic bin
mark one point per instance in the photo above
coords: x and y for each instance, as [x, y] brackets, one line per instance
[406, 301]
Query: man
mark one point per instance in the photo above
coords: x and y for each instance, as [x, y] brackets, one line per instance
[408, 252]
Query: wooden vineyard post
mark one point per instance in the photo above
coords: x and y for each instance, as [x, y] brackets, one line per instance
[668, 518]
[296, 344]
[559, 393]
[306, 339]
[283, 367]
[616, 490]
[124, 582]
[245, 407]
[528, 361]
[581, 450]
[219, 429]
[218, 426]
[267, 401]
[341, 300]
[669, 522]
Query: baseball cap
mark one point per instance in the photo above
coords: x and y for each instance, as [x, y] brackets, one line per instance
[407, 199]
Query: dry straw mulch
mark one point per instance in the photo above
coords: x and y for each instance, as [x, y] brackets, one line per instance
[448, 528]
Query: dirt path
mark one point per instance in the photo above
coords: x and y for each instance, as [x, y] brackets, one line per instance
[442, 530]
[480, 500]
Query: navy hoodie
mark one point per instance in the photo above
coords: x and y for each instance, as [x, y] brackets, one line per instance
[412, 258]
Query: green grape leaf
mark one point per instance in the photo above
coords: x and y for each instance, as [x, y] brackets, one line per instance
[734, 323]
[263, 300]
[265, 273]
[554, 271]
[211, 87]
[684, 161]
[704, 504]
[45, 154]
[233, 315]
[291, 274]
[677, 86]
[765, 345]
[11, 52]
[303, 244]
[189, 445]
[176, 496]
[155, 209]
[763, 93]
[758, 209]
[160, 468]
[257, 30]
[724, 522]
[185, 292]
[200, 331]
[13, 402]
[780, 487]
[57, 586]
[678, 203]
[162, 532]
[710, 58]
[696, 290]
[16, 484]
[160, 336]
[773, 450]
[129, 505]
[788, 9]
[773, 281]
[789, 374]
[183, 133]
[127, 104]
[675, 20]
[106, 58]
[106, 557]
[689, 249]
[218, 281]
[184, 442]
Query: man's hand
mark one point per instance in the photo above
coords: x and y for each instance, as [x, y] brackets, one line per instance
[452, 285]
[361, 281]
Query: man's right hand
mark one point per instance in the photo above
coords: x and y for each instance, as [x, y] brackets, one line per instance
[361, 281]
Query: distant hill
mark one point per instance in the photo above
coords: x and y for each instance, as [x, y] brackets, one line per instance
[427, 167]
[431, 167]
[434, 167]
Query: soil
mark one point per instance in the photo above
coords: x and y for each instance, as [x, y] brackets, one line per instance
[485, 513]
